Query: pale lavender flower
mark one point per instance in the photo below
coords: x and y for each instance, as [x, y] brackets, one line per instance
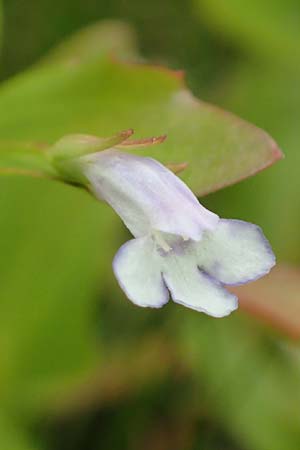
[180, 248]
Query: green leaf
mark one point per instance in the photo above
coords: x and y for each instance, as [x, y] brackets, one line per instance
[276, 205]
[106, 37]
[58, 242]
[100, 95]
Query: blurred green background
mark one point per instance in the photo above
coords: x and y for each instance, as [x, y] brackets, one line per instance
[80, 367]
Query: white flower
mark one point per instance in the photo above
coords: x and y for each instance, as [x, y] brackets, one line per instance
[180, 248]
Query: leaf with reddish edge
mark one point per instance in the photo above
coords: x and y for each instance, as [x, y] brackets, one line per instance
[98, 95]
[274, 299]
[51, 232]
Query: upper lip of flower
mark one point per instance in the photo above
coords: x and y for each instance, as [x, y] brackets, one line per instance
[147, 195]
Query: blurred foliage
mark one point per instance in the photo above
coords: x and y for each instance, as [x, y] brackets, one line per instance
[267, 29]
[80, 367]
[101, 95]
[264, 299]
[268, 94]
[276, 192]
[14, 437]
[1, 25]
[251, 385]
[171, 32]
[92, 91]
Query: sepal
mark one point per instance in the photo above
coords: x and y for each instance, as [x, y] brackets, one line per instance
[65, 153]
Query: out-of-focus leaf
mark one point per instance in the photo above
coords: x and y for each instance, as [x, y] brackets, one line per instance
[56, 249]
[128, 369]
[1, 25]
[13, 437]
[270, 29]
[249, 381]
[275, 299]
[106, 37]
[58, 243]
[270, 199]
[102, 95]
[57, 246]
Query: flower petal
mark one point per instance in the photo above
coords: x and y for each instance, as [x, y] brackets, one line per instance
[136, 267]
[193, 288]
[236, 252]
[146, 195]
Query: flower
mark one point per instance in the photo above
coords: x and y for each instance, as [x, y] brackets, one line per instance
[180, 249]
